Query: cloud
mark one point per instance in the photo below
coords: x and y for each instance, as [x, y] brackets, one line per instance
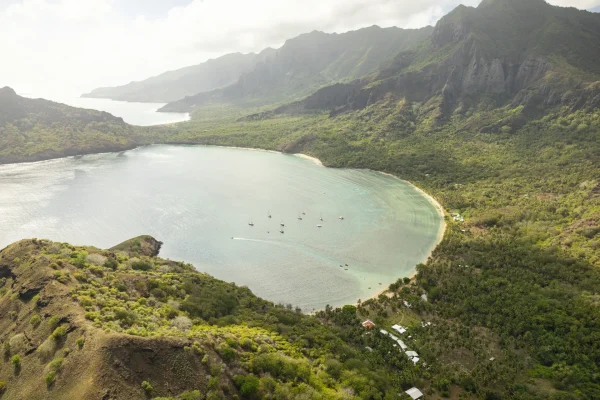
[54, 46]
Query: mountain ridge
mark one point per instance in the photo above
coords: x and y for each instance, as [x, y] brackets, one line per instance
[174, 85]
[309, 61]
[502, 52]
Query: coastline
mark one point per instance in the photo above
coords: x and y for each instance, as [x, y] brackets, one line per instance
[431, 199]
[440, 236]
[313, 159]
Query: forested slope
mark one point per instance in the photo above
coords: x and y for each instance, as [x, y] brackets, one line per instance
[37, 129]
[507, 138]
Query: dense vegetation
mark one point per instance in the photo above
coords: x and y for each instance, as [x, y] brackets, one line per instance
[73, 308]
[519, 279]
[498, 117]
[37, 129]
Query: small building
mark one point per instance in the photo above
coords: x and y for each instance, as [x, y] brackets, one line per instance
[407, 304]
[384, 332]
[414, 393]
[394, 337]
[415, 360]
[402, 345]
[412, 354]
[400, 329]
[368, 324]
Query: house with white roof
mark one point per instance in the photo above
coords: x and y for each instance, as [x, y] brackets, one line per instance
[412, 354]
[414, 393]
[400, 329]
[402, 345]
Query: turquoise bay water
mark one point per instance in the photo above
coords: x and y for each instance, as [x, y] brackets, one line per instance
[199, 201]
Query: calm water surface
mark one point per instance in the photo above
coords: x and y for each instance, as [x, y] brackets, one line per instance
[199, 201]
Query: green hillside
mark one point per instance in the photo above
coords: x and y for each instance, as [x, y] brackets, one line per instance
[84, 323]
[37, 129]
[503, 128]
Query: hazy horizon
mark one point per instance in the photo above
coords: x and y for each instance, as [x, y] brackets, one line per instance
[64, 48]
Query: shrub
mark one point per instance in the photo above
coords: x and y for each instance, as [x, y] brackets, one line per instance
[6, 349]
[55, 365]
[59, 333]
[62, 277]
[50, 378]
[281, 366]
[96, 259]
[86, 301]
[2, 387]
[16, 362]
[182, 323]
[35, 321]
[147, 387]
[227, 354]
[80, 342]
[141, 266]
[80, 276]
[193, 395]
[53, 322]
[36, 300]
[111, 263]
[213, 383]
[248, 384]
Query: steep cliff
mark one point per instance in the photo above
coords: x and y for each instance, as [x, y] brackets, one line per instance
[523, 52]
[308, 62]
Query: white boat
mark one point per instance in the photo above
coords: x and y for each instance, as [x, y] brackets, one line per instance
[299, 217]
[269, 214]
[342, 218]
[319, 226]
[251, 223]
[281, 231]
[282, 224]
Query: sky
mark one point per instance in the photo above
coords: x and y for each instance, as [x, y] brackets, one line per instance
[73, 46]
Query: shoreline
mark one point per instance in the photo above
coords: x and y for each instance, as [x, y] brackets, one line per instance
[431, 199]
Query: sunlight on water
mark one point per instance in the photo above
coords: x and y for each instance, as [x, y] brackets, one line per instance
[200, 201]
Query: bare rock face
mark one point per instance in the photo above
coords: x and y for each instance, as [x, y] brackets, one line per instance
[451, 29]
